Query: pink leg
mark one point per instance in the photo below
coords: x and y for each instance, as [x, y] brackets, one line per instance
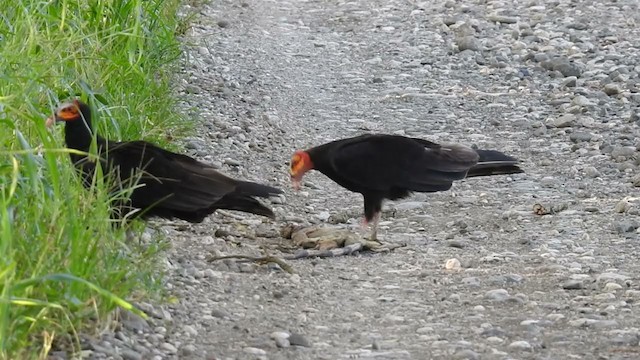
[374, 227]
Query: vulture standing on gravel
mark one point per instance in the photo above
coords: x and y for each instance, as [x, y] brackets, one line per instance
[391, 167]
[169, 185]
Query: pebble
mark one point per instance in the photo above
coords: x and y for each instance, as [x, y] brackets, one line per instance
[622, 206]
[466, 354]
[623, 151]
[578, 137]
[612, 89]
[188, 350]
[130, 355]
[299, 340]
[254, 351]
[563, 121]
[573, 285]
[612, 287]
[453, 265]
[569, 81]
[169, 348]
[497, 295]
[467, 43]
[282, 342]
[521, 345]
[626, 226]
[592, 172]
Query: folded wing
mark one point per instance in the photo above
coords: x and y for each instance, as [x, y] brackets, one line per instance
[382, 163]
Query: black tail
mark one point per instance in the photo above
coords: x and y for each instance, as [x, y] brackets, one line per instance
[254, 189]
[242, 199]
[245, 203]
[493, 162]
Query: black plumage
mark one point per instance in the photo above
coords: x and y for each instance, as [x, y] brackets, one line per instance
[169, 185]
[391, 167]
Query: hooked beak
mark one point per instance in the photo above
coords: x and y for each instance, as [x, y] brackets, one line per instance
[50, 121]
[296, 184]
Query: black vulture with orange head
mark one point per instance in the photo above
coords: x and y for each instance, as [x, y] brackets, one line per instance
[169, 185]
[380, 167]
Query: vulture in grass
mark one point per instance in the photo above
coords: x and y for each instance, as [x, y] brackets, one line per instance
[169, 185]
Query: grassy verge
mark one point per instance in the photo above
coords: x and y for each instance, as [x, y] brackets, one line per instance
[63, 267]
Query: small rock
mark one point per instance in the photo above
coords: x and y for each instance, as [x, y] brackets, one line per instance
[569, 81]
[479, 308]
[223, 23]
[520, 345]
[456, 244]
[497, 295]
[471, 281]
[232, 162]
[299, 340]
[508, 279]
[188, 350]
[624, 151]
[622, 206]
[467, 43]
[581, 100]
[561, 65]
[133, 322]
[375, 345]
[611, 277]
[410, 205]
[128, 354]
[612, 287]
[466, 354]
[632, 294]
[453, 265]
[169, 348]
[568, 69]
[591, 172]
[612, 89]
[281, 338]
[502, 19]
[190, 330]
[563, 121]
[573, 285]
[254, 351]
[282, 342]
[578, 137]
[626, 226]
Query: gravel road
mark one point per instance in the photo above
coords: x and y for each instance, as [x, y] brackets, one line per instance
[554, 83]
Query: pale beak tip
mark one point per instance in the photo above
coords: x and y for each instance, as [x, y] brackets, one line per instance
[296, 185]
[50, 121]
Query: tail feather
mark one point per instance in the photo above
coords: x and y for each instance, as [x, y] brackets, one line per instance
[244, 203]
[255, 189]
[493, 162]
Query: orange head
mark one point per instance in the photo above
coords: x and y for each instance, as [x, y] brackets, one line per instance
[70, 111]
[300, 164]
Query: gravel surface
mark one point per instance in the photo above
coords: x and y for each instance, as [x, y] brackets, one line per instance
[554, 83]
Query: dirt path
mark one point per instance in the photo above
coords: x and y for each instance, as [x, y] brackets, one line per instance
[555, 85]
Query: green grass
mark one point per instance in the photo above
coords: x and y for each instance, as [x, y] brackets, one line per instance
[63, 266]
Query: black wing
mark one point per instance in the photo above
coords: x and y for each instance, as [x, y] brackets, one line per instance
[180, 182]
[382, 162]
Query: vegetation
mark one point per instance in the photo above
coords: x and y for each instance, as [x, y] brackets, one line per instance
[63, 265]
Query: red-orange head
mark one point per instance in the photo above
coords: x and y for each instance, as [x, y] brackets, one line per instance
[300, 164]
[71, 111]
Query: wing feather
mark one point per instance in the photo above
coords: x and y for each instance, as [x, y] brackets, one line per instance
[384, 162]
[180, 182]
